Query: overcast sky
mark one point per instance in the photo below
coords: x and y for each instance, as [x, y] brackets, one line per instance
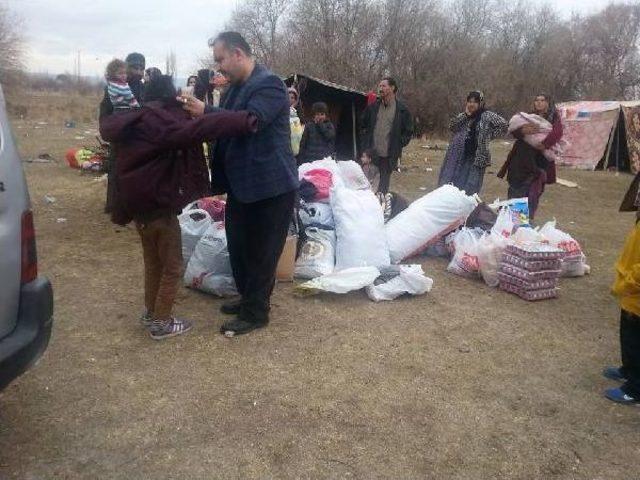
[56, 30]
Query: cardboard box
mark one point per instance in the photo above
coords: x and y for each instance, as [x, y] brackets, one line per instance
[287, 262]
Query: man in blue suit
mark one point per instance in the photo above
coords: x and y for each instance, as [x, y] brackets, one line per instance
[258, 172]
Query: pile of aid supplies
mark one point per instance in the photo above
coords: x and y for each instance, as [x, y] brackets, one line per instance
[344, 238]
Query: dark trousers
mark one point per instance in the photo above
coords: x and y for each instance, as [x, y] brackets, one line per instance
[630, 350]
[256, 234]
[384, 165]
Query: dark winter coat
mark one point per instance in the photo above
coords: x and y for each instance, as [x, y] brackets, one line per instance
[401, 131]
[259, 166]
[160, 163]
[318, 141]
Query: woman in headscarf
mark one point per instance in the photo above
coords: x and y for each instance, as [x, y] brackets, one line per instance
[468, 154]
[526, 168]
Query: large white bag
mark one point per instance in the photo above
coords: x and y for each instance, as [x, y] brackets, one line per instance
[353, 176]
[574, 264]
[427, 220]
[325, 164]
[465, 259]
[411, 280]
[315, 214]
[317, 255]
[360, 237]
[209, 268]
[193, 224]
[343, 281]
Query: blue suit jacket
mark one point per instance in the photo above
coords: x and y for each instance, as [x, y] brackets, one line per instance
[260, 165]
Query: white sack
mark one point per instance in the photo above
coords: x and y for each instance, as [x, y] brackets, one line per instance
[316, 214]
[193, 224]
[209, 268]
[343, 281]
[427, 220]
[360, 235]
[353, 176]
[411, 280]
[317, 255]
[325, 164]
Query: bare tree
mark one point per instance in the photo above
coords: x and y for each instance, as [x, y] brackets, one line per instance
[171, 64]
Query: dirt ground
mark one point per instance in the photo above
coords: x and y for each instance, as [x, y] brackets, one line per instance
[465, 382]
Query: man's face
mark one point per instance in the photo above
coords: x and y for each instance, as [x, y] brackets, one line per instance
[135, 72]
[319, 117]
[385, 89]
[541, 104]
[228, 62]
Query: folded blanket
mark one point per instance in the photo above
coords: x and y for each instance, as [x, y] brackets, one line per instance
[521, 119]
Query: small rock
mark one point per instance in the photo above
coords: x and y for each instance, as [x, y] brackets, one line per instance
[48, 199]
[61, 220]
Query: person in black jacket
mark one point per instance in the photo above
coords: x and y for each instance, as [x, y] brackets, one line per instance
[387, 127]
[319, 137]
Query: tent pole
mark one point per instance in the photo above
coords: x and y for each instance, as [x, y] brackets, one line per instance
[353, 121]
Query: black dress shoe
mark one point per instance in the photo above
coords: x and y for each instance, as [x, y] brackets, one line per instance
[231, 308]
[238, 326]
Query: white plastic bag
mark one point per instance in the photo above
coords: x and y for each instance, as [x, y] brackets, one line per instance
[317, 255]
[490, 249]
[193, 224]
[315, 214]
[209, 268]
[353, 176]
[574, 264]
[504, 224]
[360, 235]
[411, 280]
[465, 258]
[427, 220]
[325, 164]
[343, 281]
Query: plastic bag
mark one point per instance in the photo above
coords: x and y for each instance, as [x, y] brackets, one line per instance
[410, 280]
[316, 214]
[465, 259]
[427, 220]
[209, 269]
[325, 164]
[317, 255]
[322, 180]
[490, 249]
[519, 209]
[193, 225]
[353, 176]
[574, 264]
[343, 281]
[504, 223]
[360, 235]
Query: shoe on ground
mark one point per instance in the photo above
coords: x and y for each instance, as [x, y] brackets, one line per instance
[231, 308]
[617, 395]
[176, 326]
[239, 326]
[146, 319]
[614, 373]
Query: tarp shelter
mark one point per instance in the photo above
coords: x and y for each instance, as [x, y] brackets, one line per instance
[601, 135]
[346, 107]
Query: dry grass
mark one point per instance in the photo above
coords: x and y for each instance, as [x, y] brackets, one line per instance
[463, 383]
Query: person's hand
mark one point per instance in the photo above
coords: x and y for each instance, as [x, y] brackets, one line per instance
[192, 105]
[530, 129]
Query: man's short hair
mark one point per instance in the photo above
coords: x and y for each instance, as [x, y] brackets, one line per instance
[232, 40]
[135, 59]
[392, 83]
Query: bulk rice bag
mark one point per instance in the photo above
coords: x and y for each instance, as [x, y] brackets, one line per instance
[427, 220]
[317, 255]
[360, 235]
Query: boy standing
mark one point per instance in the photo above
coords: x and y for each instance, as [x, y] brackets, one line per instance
[319, 137]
